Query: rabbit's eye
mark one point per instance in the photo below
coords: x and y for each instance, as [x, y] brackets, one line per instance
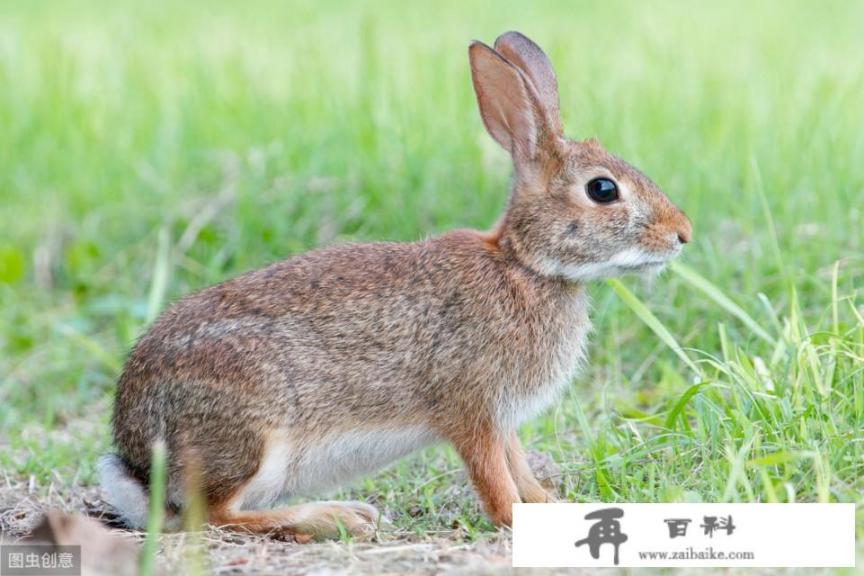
[602, 190]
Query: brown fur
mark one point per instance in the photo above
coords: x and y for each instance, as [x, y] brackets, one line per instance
[464, 335]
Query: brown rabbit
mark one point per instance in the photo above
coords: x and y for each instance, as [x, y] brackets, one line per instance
[296, 378]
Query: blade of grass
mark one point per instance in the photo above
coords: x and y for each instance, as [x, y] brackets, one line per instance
[678, 409]
[652, 322]
[755, 181]
[835, 301]
[157, 508]
[159, 284]
[720, 298]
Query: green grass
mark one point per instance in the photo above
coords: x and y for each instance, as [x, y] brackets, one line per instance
[150, 150]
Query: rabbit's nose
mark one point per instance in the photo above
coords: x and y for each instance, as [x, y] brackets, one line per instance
[684, 229]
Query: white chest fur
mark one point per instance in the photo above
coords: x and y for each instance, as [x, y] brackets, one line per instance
[544, 379]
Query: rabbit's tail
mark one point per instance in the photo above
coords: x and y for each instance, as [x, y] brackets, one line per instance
[123, 491]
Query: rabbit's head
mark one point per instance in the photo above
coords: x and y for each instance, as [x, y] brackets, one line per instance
[576, 211]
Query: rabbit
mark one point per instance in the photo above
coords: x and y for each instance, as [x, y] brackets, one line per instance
[296, 378]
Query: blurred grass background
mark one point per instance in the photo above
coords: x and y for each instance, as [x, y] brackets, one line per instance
[150, 149]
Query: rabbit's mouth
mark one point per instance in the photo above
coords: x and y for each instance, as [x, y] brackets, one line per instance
[649, 269]
[642, 262]
[644, 267]
[628, 261]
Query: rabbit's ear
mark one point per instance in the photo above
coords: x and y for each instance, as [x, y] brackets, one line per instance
[533, 62]
[509, 104]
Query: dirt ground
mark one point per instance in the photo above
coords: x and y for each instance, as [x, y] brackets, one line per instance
[215, 551]
[224, 552]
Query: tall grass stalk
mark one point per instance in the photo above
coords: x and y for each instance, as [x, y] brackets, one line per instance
[156, 517]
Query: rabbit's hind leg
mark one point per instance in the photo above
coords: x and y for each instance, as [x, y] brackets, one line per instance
[318, 520]
[248, 506]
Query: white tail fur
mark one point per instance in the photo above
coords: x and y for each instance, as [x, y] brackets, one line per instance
[123, 492]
